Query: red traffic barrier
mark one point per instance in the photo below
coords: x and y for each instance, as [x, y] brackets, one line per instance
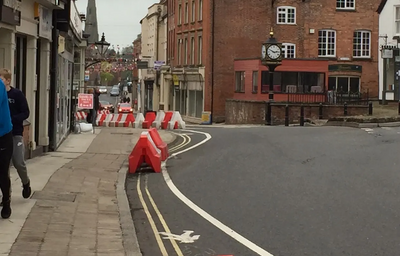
[160, 144]
[148, 120]
[145, 151]
[167, 118]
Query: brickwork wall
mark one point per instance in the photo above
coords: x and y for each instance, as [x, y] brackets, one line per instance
[253, 112]
[241, 27]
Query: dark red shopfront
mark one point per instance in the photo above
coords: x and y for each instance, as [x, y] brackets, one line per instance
[307, 80]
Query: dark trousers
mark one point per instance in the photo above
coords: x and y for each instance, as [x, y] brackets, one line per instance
[6, 152]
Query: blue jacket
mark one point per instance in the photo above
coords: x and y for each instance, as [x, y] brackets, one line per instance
[5, 117]
[19, 110]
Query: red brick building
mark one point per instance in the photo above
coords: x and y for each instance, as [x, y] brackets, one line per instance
[344, 33]
[188, 56]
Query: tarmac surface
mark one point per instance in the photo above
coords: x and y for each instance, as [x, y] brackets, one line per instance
[273, 191]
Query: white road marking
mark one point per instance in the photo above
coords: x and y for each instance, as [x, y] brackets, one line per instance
[185, 238]
[244, 241]
[161, 218]
[369, 130]
[387, 128]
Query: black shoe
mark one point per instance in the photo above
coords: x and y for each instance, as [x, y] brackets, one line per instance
[26, 191]
[6, 211]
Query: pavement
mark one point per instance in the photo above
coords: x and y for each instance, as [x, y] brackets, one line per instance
[282, 191]
[79, 205]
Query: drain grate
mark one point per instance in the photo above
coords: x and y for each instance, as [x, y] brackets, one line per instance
[122, 133]
[41, 195]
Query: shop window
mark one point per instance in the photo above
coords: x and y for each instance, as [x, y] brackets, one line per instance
[294, 82]
[255, 82]
[344, 84]
[239, 81]
[195, 103]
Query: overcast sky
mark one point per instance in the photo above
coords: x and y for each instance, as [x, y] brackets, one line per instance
[119, 19]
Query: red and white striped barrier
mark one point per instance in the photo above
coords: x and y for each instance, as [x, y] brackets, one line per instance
[115, 120]
[122, 120]
[138, 121]
[103, 112]
[80, 116]
[159, 118]
[176, 121]
[163, 120]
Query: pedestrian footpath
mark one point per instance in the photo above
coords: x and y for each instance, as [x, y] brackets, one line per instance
[74, 210]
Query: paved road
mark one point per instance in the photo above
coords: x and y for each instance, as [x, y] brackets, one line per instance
[290, 191]
[106, 97]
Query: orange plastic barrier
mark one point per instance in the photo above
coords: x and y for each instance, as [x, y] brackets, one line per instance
[167, 118]
[148, 120]
[160, 144]
[144, 152]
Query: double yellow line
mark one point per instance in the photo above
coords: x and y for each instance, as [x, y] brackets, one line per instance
[160, 217]
[186, 141]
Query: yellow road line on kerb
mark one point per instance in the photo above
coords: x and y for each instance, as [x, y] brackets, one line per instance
[163, 222]
[186, 142]
[182, 143]
[151, 221]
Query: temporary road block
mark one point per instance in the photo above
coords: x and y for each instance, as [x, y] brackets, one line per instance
[160, 144]
[138, 121]
[167, 118]
[159, 119]
[106, 121]
[145, 151]
[80, 115]
[122, 120]
[176, 121]
[100, 119]
[148, 120]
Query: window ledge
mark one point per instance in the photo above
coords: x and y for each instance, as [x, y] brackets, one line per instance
[292, 24]
[193, 22]
[239, 92]
[327, 57]
[362, 58]
[254, 92]
[345, 10]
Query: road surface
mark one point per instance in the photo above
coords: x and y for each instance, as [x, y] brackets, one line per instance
[286, 191]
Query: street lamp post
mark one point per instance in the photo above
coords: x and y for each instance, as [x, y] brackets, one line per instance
[102, 48]
[271, 57]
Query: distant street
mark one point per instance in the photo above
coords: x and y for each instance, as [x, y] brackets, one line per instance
[282, 191]
[106, 97]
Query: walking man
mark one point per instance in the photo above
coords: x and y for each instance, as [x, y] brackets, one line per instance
[19, 112]
[6, 151]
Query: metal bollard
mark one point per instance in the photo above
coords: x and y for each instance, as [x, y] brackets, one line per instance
[287, 115]
[370, 108]
[302, 115]
[345, 109]
[320, 114]
[268, 114]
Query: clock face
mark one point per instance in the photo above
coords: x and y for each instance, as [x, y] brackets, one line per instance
[263, 51]
[274, 52]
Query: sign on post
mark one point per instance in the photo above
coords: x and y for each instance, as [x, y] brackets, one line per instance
[87, 75]
[85, 101]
